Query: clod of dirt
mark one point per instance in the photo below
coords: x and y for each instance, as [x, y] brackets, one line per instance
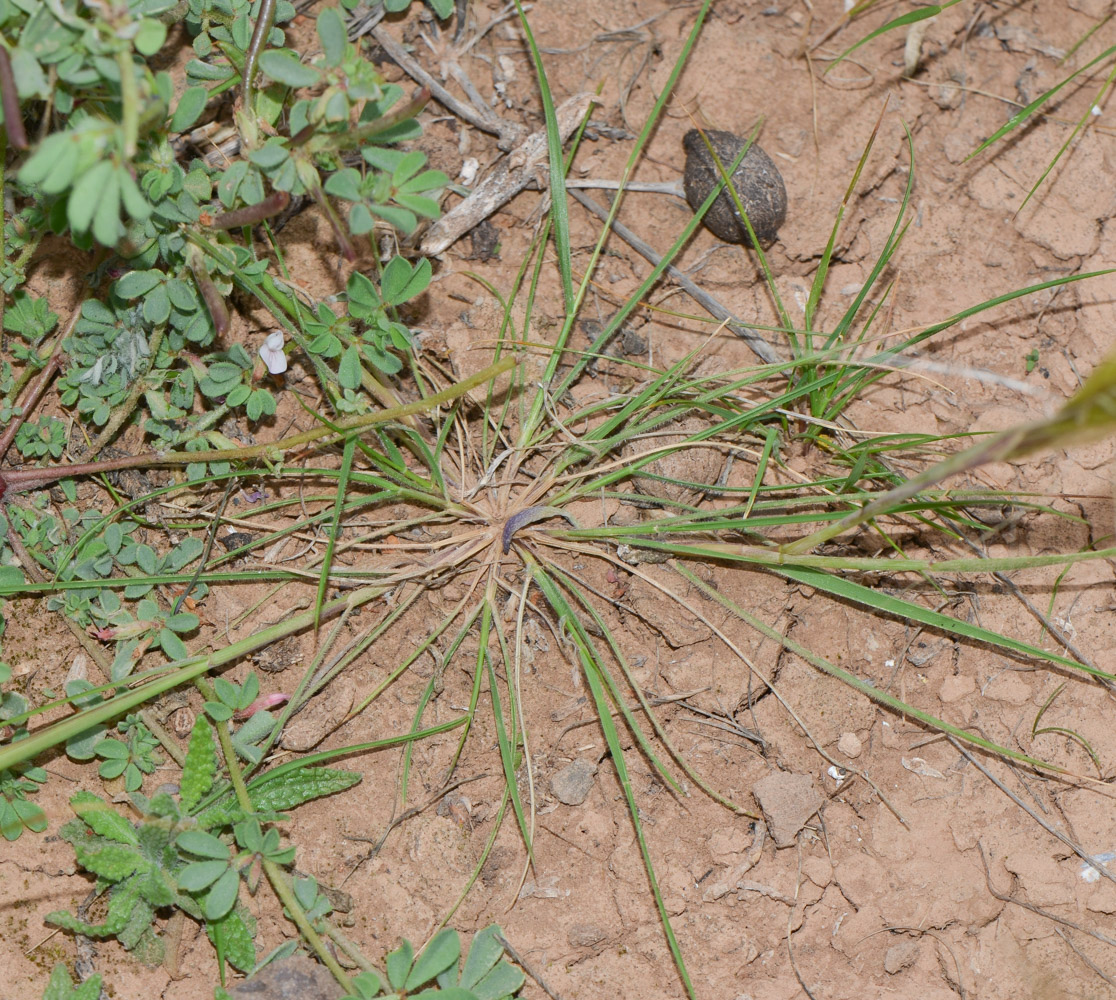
[279, 655]
[585, 935]
[692, 464]
[788, 801]
[295, 978]
[757, 181]
[321, 717]
[849, 744]
[485, 240]
[900, 956]
[574, 782]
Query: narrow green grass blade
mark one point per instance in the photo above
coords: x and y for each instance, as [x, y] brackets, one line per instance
[474, 697]
[507, 756]
[424, 700]
[481, 861]
[609, 682]
[593, 671]
[756, 244]
[169, 676]
[571, 586]
[334, 527]
[507, 750]
[1085, 118]
[771, 440]
[911, 17]
[1021, 116]
[666, 94]
[878, 601]
[322, 756]
[559, 204]
[877, 695]
[827, 254]
[895, 237]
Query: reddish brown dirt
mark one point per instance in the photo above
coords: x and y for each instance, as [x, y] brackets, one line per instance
[871, 899]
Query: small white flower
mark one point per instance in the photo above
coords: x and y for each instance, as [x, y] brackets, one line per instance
[271, 353]
[1095, 111]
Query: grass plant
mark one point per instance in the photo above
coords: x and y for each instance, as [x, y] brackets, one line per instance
[498, 465]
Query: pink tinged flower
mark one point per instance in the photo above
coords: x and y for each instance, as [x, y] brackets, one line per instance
[264, 701]
[271, 353]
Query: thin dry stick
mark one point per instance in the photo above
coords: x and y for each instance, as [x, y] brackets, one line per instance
[509, 133]
[1084, 958]
[1005, 898]
[522, 963]
[510, 176]
[760, 347]
[1053, 831]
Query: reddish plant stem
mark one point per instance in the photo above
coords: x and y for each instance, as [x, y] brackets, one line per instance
[35, 392]
[273, 204]
[13, 118]
[18, 480]
[218, 311]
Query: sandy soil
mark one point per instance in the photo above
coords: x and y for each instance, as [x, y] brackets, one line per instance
[948, 888]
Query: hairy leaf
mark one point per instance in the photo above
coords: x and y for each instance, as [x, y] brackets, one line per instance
[200, 767]
[102, 819]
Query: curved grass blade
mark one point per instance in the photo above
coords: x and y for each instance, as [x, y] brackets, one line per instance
[1061, 730]
[334, 527]
[911, 17]
[876, 694]
[594, 671]
[559, 205]
[1021, 116]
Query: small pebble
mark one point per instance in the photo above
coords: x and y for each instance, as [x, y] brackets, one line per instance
[900, 956]
[585, 935]
[574, 782]
[850, 745]
[294, 978]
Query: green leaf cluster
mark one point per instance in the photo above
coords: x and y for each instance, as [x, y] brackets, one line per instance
[194, 852]
[434, 975]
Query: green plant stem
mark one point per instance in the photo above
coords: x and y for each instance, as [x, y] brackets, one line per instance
[33, 478]
[174, 674]
[265, 21]
[129, 100]
[95, 654]
[275, 875]
[278, 879]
